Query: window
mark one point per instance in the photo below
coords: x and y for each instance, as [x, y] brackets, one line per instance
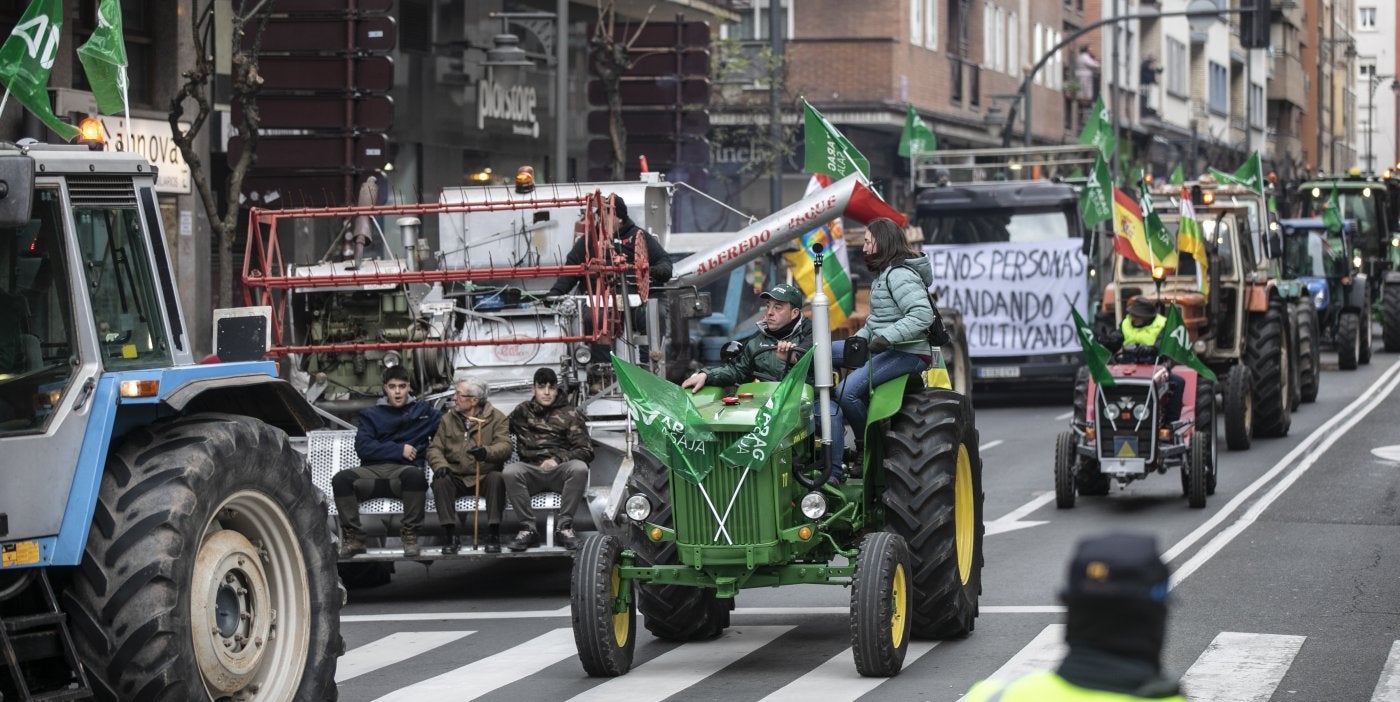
[1039, 49]
[1366, 18]
[1013, 48]
[989, 30]
[1178, 71]
[1219, 89]
[1056, 78]
[1256, 106]
[999, 50]
[916, 22]
[753, 23]
[930, 23]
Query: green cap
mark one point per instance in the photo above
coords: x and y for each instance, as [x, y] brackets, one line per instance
[785, 292]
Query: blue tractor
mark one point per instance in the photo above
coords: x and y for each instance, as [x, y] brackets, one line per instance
[1330, 265]
[160, 538]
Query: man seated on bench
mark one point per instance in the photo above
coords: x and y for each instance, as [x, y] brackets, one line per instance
[466, 455]
[392, 442]
[551, 439]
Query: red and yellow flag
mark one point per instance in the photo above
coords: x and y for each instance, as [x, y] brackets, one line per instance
[1129, 233]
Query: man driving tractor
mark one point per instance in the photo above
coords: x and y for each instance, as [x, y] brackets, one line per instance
[1142, 328]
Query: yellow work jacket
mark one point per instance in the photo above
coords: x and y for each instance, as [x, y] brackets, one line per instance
[1142, 336]
[1047, 686]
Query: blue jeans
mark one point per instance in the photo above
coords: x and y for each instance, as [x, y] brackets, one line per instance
[853, 396]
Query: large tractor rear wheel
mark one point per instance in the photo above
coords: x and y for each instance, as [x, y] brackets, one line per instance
[1309, 363]
[671, 612]
[881, 600]
[1390, 316]
[1268, 356]
[1239, 407]
[605, 629]
[208, 572]
[1349, 341]
[957, 359]
[1196, 471]
[1065, 456]
[933, 498]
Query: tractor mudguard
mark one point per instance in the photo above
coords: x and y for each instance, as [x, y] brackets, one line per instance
[1392, 277]
[886, 400]
[1356, 296]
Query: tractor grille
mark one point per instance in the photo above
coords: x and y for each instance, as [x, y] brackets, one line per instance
[696, 523]
[101, 192]
[1130, 437]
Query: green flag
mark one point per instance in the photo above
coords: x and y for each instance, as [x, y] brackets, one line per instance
[103, 57]
[1096, 199]
[1176, 345]
[26, 59]
[828, 151]
[1095, 355]
[1332, 213]
[917, 137]
[1162, 242]
[1098, 129]
[777, 418]
[1177, 176]
[667, 421]
[1250, 175]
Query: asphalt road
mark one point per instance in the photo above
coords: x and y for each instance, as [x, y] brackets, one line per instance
[1286, 586]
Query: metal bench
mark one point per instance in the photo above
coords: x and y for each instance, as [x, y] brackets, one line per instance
[331, 451]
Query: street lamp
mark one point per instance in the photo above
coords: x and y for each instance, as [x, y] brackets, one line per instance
[507, 53]
[1371, 117]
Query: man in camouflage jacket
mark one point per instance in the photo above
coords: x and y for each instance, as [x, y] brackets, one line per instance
[551, 439]
[784, 335]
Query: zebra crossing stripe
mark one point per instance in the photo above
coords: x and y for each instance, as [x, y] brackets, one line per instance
[480, 677]
[1388, 687]
[674, 671]
[1042, 653]
[836, 679]
[394, 648]
[1241, 667]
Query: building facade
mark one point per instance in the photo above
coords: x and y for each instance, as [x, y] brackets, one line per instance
[1376, 84]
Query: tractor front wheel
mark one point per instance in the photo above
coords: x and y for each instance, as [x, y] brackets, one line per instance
[1349, 341]
[208, 572]
[933, 498]
[1064, 469]
[880, 605]
[1268, 355]
[603, 613]
[1390, 316]
[1195, 471]
[1309, 365]
[1205, 426]
[1239, 407]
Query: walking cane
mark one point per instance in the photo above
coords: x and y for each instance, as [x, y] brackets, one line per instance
[476, 488]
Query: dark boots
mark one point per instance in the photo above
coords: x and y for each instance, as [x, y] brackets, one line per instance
[352, 537]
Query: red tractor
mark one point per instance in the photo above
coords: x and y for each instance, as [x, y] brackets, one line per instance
[1123, 434]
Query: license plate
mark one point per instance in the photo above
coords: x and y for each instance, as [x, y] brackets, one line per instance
[18, 554]
[999, 372]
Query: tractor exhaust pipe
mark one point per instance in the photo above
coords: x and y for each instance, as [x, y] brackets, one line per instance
[821, 364]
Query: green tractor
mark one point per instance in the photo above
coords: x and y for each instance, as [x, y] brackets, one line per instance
[905, 535]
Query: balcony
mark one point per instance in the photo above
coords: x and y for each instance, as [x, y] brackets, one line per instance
[1288, 80]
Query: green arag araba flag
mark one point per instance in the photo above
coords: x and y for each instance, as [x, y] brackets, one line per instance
[667, 422]
[1095, 355]
[777, 418]
[828, 150]
[26, 59]
[917, 138]
[1098, 129]
[1250, 174]
[1176, 345]
[1332, 212]
[103, 57]
[1096, 199]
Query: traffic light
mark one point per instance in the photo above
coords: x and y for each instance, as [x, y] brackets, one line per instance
[664, 95]
[1254, 25]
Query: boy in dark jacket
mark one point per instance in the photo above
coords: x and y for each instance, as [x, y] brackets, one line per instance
[392, 442]
[552, 441]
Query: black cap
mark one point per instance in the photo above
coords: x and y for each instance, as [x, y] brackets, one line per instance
[546, 376]
[785, 292]
[1117, 566]
[1142, 307]
[620, 207]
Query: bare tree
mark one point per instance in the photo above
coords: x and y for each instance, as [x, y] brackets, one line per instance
[608, 59]
[197, 89]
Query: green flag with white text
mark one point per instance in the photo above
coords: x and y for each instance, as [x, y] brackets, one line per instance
[829, 151]
[917, 137]
[1250, 175]
[1096, 199]
[1095, 355]
[1176, 344]
[103, 57]
[1177, 177]
[1332, 213]
[1098, 129]
[26, 59]
[1162, 242]
[776, 419]
[667, 422]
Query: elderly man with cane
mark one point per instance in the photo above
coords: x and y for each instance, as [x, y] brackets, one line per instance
[467, 454]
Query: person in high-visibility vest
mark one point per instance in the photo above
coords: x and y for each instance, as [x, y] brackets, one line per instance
[1142, 327]
[1115, 621]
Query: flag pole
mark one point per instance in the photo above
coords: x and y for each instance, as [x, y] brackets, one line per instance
[4, 100]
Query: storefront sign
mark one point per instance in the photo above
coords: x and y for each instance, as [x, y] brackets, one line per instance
[151, 139]
[512, 103]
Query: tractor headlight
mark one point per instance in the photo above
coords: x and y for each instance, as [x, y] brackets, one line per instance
[1199, 347]
[1356, 261]
[391, 359]
[1320, 299]
[638, 508]
[813, 505]
[582, 354]
[1140, 412]
[1395, 241]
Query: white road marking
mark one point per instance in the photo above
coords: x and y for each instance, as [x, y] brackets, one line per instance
[454, 616]
[990, 444]
[480, 677]
[739, 611]
[683, 666]
[1387, 453]
[394, 648]
[1042, 653]
[1066, 415]
[836, 679]
[1388, 686]
[1011, 521]
[1324, 437]
[1240, 667]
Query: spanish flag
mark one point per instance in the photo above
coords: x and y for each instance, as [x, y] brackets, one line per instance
[1129, 233]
